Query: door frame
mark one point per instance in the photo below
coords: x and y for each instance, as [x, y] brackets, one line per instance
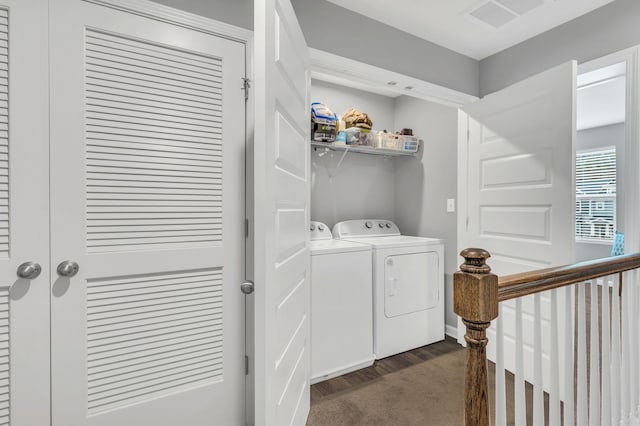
[170, 15]
[631, 57]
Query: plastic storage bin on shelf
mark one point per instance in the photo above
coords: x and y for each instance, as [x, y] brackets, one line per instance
[360, 137]
[397, 142]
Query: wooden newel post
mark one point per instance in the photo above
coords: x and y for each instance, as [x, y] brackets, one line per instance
[475, 300]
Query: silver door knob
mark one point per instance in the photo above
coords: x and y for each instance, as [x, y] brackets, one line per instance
[68, 268]
[247, 287]
[29, 270]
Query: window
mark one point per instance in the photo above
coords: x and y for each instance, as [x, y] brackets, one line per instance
[596, 195]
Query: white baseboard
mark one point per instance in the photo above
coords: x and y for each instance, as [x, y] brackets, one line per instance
[451, 331]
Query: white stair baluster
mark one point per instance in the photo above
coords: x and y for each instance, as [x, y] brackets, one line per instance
[616, 384]
[625, 361]
[554, 363]
[594, 359]
[538, 388]
[519, 389]
[582, 417]
[606, 355]
[501, 396]
[631, 278]
[569, 412]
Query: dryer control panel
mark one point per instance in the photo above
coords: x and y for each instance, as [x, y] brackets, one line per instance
[365, 228]
[319, 231]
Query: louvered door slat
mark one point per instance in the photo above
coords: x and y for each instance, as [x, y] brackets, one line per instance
[131, 113]
[132, 88]
[4, 132]
[127, 337]
[109, 78]
[107, 117]
[174, 54]
[106, 100]
[159, 142]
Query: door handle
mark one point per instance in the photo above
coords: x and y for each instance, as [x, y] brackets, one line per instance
[68, 268]
[247, 287]
[29, 270]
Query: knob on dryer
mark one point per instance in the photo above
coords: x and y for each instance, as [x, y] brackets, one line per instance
[368, 224]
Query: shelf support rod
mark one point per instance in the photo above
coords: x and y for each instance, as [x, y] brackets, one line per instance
[335, 172]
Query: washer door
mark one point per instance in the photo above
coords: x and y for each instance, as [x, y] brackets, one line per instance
[411, 283]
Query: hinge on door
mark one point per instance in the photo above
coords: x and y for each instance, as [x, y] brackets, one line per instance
[246, 365]
[246, 228]
[467, 223]
[246, 84]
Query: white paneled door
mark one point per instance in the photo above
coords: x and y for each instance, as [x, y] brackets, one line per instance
[24, 214]
[282, 297]
[147, 199]
[518, 192]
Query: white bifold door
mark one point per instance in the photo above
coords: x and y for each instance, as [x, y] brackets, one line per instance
[121, 219]
[517, 187]
[282, 186]
[24, 214]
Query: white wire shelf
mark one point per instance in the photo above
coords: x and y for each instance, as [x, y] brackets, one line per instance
[363, 149]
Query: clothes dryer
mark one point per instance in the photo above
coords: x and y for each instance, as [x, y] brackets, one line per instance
[341, 305]
[408, 285]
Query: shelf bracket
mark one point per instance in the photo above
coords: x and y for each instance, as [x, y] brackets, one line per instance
[335, 171]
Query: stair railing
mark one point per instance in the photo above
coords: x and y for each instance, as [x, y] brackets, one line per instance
[580, 386]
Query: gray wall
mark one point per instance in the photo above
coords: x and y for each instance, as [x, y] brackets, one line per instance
[613, 27]
[364, 185]
[234, 12]
[599, 137]
[334, 29]
[423, 184]
[411, 191]
[329, 27]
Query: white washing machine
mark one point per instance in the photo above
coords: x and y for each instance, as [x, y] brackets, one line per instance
[408, 285]
[341, 305]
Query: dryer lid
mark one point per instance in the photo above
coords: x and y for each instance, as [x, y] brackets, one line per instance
[397, 241]
[319, 247]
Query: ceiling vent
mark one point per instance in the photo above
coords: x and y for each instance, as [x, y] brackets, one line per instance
[496, 13]
[520, 6]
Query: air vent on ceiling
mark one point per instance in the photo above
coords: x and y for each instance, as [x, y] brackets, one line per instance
[497, 13]
[492, 14]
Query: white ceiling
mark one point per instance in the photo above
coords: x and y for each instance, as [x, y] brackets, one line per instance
[450, 23]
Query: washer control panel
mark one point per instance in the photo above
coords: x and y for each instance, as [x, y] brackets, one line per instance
[365, 228]
[320, 231]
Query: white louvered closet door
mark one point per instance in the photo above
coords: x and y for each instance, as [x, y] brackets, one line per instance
[24, 213]
[147, 190]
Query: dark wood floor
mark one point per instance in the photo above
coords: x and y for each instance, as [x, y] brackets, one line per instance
[381, 368]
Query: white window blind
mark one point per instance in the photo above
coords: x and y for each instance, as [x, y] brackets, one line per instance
[596, 195]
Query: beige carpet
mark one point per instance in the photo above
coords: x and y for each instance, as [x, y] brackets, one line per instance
[430, 393]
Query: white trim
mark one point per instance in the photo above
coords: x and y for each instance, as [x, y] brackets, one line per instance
[326, 66]
[250, 387]
[451, 331]
[178, 17]
[632, 137]
[463, 170]
[613, 58]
